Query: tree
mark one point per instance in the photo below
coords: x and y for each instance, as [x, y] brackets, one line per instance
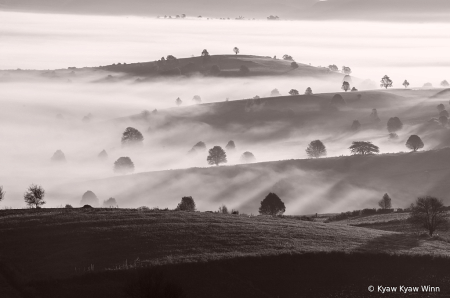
[236, 50]
[58, 156]
[337, 100]
[333, 67]
[223, 209]
[123, 165]
[354, 89]
[443, 120]
[275, 92]
[316, 149]
[216, 156]
[244, 70]
[346, 70]
[386, 82]
[444, 113]
[444, 83]
[230, 146]
[294, 65]
[2, 194]
[427, 85]
[272, 205]
[197, 99]
[170, 58]
[103, 155]
[178, 101]
[374, 115]
[186, 204]
[215, 70]
[345, 86]
[89, 198]
[385, 202]
[293, 92]
[363, 148]
[406, 84]
[308, 91]
[247, 157]
[440, 107]
[414, 143]
[356, 125]
[132, 136]
[394, 124]
[34, 197]
[429, 213]
[288, 57]
[205, 52]
[111, 202]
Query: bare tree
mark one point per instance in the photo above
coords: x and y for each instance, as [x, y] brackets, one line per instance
[34, 197]
[385, 202]
[429, 213]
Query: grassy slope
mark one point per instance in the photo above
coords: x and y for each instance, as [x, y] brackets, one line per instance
[53, 242]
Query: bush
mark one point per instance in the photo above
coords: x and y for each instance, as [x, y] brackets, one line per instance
[87, 207]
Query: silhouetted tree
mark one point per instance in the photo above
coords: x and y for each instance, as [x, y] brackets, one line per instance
[123, 165]
[103, 155]
[386, 82]
[374, 115]
[244, 70]
[230, 146]
[345, 86]
[170, 58]
[215, 70]
[440, 107]
[346, 70]
[394, 124]
[355, 125]
[406, 84]
[236, 50]
[288, 57]
[414, 143]
[385, 202]
[205, 52]
[429, 213]
[293, 92]
[178, 101]
[316, 149]
[186, 204]
[111, 202]
[275, 92]
[363, 148]
[68, 206]
[272, 205]
[444, 113]
[197, 99]
[89, 198]
[58, 156]
[443, 120]
[247, 157]
[337, 100]
[216, 156]
[444, 83]
[308, 91]
[333, 67]
[354, 89]
[2, 193]
[132, 136]
[34, 197]
[294, 65]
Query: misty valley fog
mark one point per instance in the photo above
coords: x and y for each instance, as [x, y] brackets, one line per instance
[40, 115]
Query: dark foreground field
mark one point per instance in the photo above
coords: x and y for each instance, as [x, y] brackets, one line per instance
[67, 253]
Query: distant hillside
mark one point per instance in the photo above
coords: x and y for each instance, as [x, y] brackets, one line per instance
[397, 10]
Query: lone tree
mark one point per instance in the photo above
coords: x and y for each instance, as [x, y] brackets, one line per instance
[132, 136]
[406, 84]
[236, 50]
[308, 91]
[216, 156]
[414, 143]
[244, 70]
[111, 202]
[440, 107]
[272, 205]
[2, 194]
[197, 99]
[123, 165]
[205, 52]
[178, 101]
[444, 83]
[89, 198]
[247, 157]
[386, 82]
[429, 213]
[294, 65]
[394, 124]
[34, 197]
[355, 125]
[58, 156]
[363, 148]
[293, 92]
[316, 149]
[186, 204]
[345, 86]
[385, 202]
[275, 92]
[230, 146]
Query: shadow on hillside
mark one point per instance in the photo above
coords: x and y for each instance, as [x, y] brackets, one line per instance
[390, 243]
